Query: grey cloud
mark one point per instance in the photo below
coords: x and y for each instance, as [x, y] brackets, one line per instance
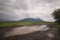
[7, 9]
[19, 9]
[18, 4]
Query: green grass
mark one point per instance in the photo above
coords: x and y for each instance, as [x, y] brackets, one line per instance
[58, 28]
[2, 24]
[11, 24]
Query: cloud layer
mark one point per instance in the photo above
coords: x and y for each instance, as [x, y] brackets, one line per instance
[13, 10]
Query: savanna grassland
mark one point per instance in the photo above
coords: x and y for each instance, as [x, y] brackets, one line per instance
[2, 24]
[38, 35]
[12, 24]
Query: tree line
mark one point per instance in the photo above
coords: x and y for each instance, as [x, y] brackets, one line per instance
[56, 15]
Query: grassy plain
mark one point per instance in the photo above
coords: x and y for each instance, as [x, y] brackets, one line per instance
[11, 24]
[2, 24]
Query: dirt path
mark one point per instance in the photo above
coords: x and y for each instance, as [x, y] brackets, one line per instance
[37, 32]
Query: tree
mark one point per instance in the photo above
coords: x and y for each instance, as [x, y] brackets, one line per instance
[56, 15]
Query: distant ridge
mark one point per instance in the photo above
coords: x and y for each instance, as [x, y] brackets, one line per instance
[3, 21]
[25, 20]
[31, 20]
[7, 20]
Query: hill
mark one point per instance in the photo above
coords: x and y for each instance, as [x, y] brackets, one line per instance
[31, 20]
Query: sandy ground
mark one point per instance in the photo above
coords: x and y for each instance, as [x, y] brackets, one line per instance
[35, 32]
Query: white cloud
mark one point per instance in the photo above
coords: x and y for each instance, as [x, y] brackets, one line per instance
[19, 9]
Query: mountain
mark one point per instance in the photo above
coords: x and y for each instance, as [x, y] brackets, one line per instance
[25, 20]
[7, 20]
[31, 20]
[3, 21]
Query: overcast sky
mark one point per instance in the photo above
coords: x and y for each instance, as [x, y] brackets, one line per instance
[20, 9]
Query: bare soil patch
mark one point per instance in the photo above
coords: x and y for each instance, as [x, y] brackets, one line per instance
[36, 35]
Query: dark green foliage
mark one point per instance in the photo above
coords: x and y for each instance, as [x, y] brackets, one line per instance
[56, 15]
[58, 28]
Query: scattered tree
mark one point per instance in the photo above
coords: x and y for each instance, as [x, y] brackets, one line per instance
[56, 15]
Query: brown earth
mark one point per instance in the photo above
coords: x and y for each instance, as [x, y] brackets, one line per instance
[50, 34]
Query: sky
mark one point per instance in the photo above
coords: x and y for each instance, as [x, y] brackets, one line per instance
[14, 10]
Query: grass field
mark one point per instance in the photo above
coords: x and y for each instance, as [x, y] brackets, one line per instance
[11, 24]
[22, 23]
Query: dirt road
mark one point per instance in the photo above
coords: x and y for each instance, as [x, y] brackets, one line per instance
[35, 32]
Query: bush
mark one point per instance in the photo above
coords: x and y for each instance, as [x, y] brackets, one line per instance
[58, 28]
[56, 15]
